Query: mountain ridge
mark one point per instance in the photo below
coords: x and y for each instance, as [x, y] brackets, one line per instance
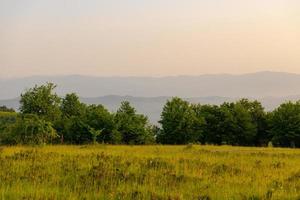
[255, 85]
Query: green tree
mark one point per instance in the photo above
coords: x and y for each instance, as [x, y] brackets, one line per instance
[77, 131]
[238, 127]
[81, 122]
[73, 113]
[285, 125]
[71, 106]
[180, 125]
[99, 118]
[133, 127]
[259, 120]
[42, 101]
[212, 129]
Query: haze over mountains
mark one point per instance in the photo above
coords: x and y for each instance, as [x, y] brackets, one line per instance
[246, 85]
[148, 94]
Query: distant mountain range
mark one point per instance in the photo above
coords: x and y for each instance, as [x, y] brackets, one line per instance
[259, 84]
[149, 94]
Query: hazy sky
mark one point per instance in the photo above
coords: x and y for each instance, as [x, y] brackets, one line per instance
[148, 37]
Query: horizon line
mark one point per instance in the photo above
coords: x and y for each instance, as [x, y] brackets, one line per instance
[136, 76]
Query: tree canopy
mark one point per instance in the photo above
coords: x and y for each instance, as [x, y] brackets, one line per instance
[42, 101]
[180, 124]
[45, 117]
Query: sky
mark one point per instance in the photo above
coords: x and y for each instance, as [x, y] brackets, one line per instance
[148, 37]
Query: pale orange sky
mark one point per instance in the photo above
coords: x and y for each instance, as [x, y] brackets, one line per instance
[148, 37]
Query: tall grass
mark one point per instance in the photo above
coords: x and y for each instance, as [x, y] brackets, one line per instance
[149, 172]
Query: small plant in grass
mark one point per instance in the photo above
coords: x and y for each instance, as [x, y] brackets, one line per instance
[189, 146]
[95, 133]
[270, 144]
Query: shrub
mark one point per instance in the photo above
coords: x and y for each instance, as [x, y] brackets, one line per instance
[29, 129]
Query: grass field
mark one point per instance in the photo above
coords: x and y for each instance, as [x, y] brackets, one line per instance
[149, 172]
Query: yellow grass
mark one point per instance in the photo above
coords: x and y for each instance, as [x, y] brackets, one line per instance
[149, 172]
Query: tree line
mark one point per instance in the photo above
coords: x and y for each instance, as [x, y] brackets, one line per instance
[45, 118]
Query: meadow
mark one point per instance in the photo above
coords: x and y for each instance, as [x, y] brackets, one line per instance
[149, 172]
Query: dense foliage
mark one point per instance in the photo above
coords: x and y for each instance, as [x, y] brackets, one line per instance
[46, 118]
[29, 129]
[180, 124]
[243, 123]
[41, 101]
[6, 119]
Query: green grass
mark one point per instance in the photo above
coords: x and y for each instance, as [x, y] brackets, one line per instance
[149, 172]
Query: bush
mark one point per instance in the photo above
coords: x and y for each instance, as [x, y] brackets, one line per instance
[29, 129]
